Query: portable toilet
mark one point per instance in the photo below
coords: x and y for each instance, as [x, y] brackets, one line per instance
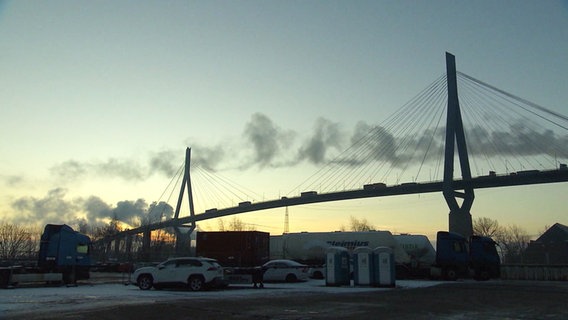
[337, 267]
[363, 266]
[384, 267]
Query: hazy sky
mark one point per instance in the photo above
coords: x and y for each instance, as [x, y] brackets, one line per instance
[99, 99]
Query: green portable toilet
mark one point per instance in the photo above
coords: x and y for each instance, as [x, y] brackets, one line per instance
[363, 266]
[384, 267]
[337, 267]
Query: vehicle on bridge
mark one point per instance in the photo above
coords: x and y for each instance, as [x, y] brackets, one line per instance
[374, 186]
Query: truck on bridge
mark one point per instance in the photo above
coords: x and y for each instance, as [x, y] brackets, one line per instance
[414, 255]
[63, 257]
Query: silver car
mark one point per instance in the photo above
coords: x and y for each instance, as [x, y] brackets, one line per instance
[194, 273]
[285, 270]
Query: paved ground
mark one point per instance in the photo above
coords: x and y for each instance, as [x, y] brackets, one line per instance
[463, 300]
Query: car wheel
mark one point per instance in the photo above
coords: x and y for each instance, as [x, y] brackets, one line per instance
[145, 282]
[291, 278]
[195, 283]
[318, 275]
[451, 274]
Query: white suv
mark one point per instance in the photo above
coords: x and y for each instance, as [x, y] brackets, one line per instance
[195, 273]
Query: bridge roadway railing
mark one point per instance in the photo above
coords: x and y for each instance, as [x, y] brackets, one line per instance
[490, 181]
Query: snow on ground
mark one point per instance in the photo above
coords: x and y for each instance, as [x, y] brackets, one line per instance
[90, 295]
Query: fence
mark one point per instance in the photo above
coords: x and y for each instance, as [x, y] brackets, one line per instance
[535, 272]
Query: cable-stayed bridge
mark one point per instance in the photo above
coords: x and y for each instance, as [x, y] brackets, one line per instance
[494, 139]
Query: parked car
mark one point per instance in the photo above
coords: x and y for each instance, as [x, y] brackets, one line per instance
[317, 272]
[284, 270]
[195, 273]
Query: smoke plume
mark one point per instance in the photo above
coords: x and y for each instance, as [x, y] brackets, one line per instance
[266, 145]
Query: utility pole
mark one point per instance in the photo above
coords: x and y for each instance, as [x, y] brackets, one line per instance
[286, 222]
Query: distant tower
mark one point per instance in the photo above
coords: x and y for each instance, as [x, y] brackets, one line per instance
[286, 222]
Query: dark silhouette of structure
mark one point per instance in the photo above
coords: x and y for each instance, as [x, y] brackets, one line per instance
[551, 248]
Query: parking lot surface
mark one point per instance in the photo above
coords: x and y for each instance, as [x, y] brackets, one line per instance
[304, 300]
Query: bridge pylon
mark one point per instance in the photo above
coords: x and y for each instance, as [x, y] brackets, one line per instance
[460, 217]
[183, 237]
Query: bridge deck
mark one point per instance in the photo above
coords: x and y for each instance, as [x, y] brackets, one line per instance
[490, 181]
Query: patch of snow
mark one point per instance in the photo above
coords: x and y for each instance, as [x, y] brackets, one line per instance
[21, 301]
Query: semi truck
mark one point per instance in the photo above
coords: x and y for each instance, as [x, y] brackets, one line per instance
[457, 256]
[63, 257]
[414, 255]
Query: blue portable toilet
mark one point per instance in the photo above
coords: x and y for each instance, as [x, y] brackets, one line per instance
[337, 267]
[363, 266]
[384, 267]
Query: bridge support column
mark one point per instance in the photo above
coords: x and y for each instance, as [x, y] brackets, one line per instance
[146, 240]
[128, 247]
[460, 222]
[183, 244]
[183, 237]
[460, 217]
[116, 248]
[108, 247]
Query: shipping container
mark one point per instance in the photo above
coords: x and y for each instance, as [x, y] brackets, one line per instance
[234, 248]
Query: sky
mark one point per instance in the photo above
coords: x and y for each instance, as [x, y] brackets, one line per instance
[100, 99]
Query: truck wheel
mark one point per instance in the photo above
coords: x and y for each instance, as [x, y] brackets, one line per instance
[195, 283]
[69, 277]
[145, 282]
[291, 278]
[482, 275]
[451, 274]
[3, 281]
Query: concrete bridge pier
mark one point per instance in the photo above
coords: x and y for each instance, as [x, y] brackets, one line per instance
[117, 247]
[460, 222]
[183, 244]
[146, 241]
[128, 247]
[460, 217]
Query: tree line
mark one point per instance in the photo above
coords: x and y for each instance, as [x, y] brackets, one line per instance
[19, 242]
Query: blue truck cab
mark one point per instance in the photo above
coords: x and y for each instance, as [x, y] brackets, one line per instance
[66, 251]
[484, 259]
[458, 257]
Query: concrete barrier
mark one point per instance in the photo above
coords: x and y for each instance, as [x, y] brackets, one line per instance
[535, 272]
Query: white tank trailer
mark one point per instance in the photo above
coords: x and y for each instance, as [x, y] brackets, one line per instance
[413, 254]
[421, 253]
